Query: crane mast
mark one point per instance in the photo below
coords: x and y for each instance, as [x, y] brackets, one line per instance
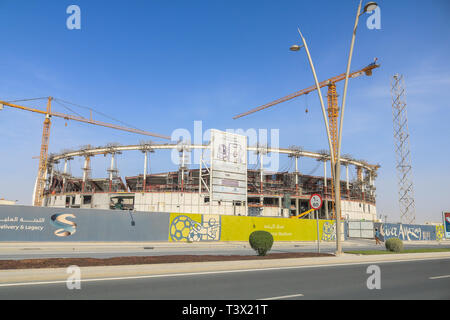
[43, 157]
[333, 116]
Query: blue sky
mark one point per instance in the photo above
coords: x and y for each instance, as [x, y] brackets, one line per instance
[161, 65]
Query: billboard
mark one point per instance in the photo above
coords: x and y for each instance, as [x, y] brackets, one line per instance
[446, 216]
[228, 166]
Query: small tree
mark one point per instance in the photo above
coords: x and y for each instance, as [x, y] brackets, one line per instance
[261, 242]
[394, 245]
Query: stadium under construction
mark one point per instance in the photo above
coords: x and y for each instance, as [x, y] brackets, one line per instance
[187, 190]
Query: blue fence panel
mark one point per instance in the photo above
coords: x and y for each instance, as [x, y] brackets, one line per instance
[26, 223]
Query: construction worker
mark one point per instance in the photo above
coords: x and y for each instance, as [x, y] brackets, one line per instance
[377, 236]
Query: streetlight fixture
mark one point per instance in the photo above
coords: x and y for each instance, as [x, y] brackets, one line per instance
[370, 6]
[295, 47]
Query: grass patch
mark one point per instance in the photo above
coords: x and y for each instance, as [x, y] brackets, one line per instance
[375, 252]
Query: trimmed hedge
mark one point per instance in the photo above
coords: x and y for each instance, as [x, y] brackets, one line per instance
[394, 245]
[261, 242]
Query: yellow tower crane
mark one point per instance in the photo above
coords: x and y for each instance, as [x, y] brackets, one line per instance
[43, 157]
[333, 108]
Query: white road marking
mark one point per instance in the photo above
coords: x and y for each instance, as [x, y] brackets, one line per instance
[214, 272]
[439, 277]
[283, 297]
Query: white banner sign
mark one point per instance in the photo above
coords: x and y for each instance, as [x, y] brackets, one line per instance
[228, 166]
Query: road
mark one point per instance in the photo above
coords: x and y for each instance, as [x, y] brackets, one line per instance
[36, 250]
[420, 279]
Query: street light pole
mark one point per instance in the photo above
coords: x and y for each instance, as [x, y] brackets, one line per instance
[370, 6]
[337, 180]
[327, 127]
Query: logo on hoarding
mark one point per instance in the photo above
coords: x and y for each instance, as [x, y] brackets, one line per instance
[184, 228]
[440, 233]
[329, 231]
[64, 227]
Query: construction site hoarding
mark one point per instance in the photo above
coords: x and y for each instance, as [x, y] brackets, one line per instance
[26, 223]
[228, 166]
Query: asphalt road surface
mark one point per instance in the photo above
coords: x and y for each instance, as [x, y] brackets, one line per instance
[423, 279]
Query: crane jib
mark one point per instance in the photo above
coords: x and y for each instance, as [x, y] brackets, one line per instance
[366, 70]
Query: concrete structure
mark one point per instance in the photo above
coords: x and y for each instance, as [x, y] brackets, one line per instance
[271, 194]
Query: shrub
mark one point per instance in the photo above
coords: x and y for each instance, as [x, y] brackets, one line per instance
[394, 245]
[261, 242]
